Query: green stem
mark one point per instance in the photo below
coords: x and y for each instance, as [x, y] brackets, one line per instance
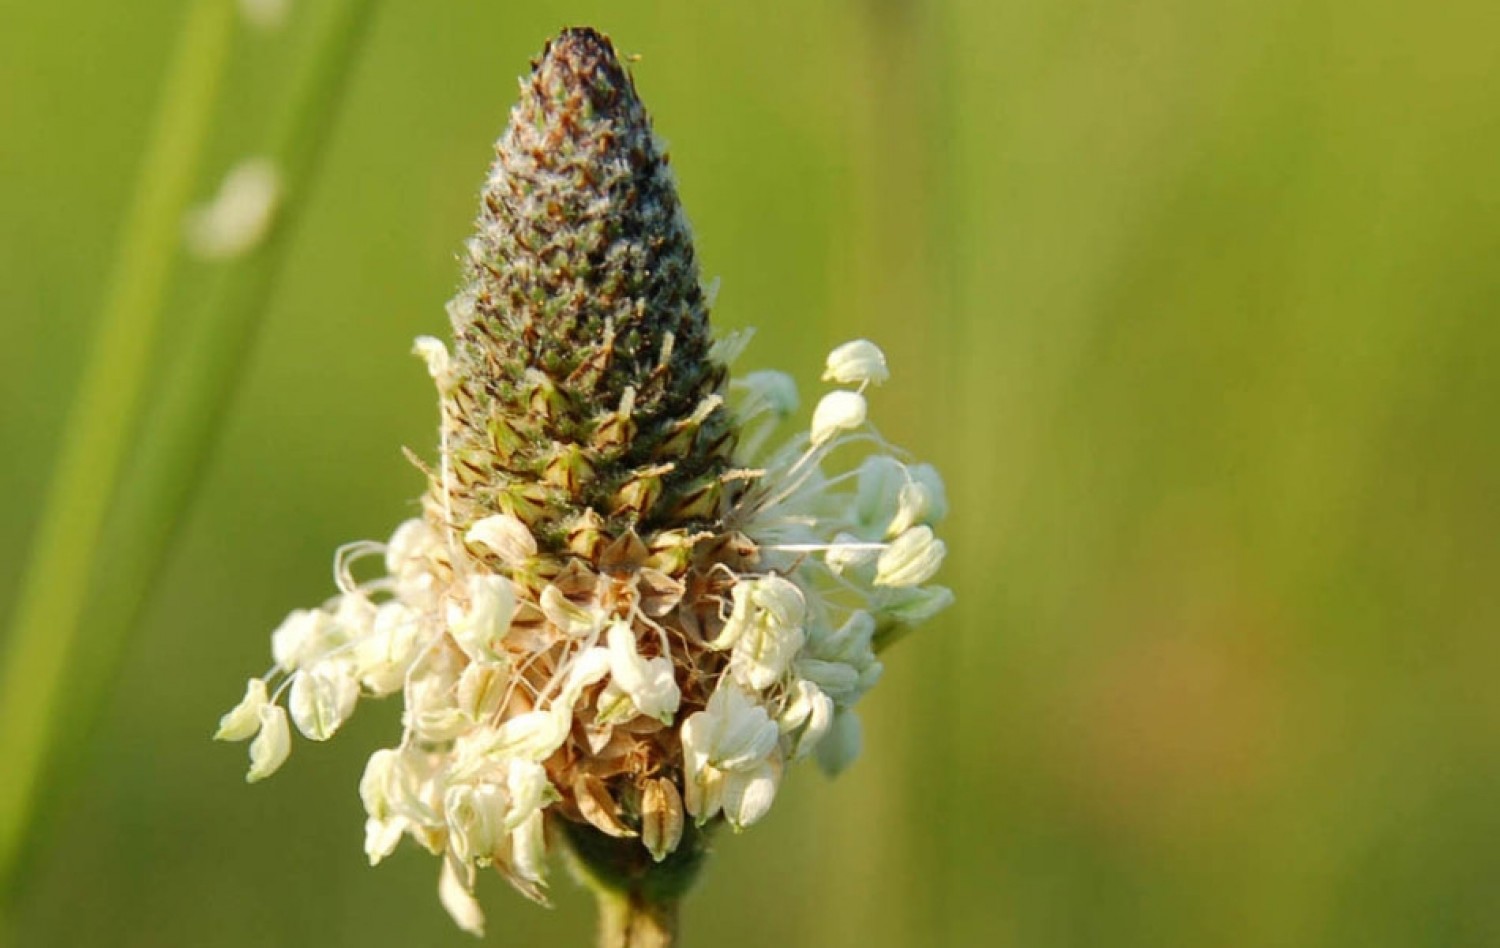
[626, 920]
[638, 896]
[46, 622]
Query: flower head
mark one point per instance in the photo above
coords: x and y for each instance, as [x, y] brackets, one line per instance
[630, 600]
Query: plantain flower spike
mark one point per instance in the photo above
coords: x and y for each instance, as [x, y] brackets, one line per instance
[630, 600]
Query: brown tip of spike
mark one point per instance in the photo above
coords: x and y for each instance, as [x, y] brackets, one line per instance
[582, 61]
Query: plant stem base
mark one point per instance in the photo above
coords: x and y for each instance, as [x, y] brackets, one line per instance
[638, 897]
[626, 920]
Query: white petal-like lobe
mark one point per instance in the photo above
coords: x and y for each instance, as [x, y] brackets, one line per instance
[849, 552]
[271, 746]
[748, 795]
[837, 412]
[459, 901]
[570, 617]
[806, 718]
[479, 629]
[476, 819]
[321, 701]
[506, 536]
[911, 560]
[435, 354]
[917, 502]
[856, 363]
[530, 792]
[481, 689]
[381, 838]
[296, 637]
[243, 720]
[529, 850]
[382, 658]
[649, 683]
[764, 629]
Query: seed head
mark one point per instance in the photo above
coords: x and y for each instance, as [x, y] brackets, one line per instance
[584, 396]
[626, 608]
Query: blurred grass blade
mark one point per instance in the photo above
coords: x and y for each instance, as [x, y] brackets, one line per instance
[179, 432]
[46, 623]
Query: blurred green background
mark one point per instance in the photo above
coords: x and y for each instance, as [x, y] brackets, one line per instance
[1194, 303]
